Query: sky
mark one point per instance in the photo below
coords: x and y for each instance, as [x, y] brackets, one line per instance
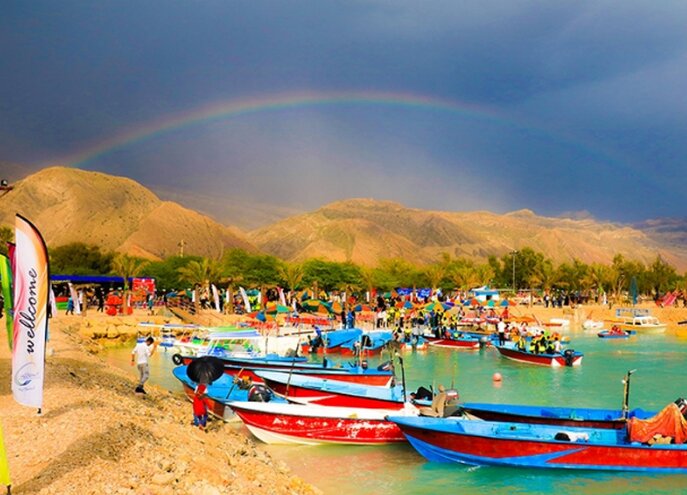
[575, 107]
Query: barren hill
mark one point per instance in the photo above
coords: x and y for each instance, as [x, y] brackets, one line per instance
[365, 231]
[116, 213]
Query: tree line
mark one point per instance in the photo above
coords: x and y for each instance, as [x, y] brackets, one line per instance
[519, 270]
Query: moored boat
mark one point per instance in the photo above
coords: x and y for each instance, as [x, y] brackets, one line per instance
[466, 343]
[547, 446]
[315, 425]
[569, 357]
[639, 320]
[614, 333]
[308, 390]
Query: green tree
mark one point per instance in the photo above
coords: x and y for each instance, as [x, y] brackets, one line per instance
[291, 274]
[330, 275]
[543, 277]
[661, 276]
[166, 272]
[200, 274]
[78, 258]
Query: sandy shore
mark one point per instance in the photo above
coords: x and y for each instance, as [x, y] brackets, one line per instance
[96, 436]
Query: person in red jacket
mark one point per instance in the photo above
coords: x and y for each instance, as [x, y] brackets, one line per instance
[200, 407]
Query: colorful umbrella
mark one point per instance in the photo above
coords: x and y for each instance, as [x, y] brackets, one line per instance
[405, 305]
[362, 307]
[336, 307]
[273, 308]
[317, 306]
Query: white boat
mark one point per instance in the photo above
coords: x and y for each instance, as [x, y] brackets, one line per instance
[638, 320]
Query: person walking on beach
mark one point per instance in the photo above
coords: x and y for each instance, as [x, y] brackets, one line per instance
[70, 306]
[140, 355]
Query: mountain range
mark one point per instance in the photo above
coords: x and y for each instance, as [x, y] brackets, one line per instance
[117, 213]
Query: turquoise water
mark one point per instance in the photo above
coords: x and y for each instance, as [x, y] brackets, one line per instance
[660, 362]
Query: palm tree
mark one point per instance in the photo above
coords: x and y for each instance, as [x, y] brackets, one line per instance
[435, 275]
[367, 277]
[543, 276]
[127, 267]
[200, 274]
[466, 276]
[292, 273]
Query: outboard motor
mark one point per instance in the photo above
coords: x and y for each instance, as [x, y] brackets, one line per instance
[259, 393]
[569, 355]
[423, 394]
[366, 341]
[682, 406]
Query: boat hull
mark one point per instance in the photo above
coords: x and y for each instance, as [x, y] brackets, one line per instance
[553, 360]
[297, 424]
[492, 449]
[643, 329]
[547, 415]
[463, 344]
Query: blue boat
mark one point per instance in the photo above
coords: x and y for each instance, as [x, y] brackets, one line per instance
[369, 342]
[478, 443]
[221, 391]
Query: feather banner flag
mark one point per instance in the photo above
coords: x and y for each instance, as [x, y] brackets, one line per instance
[31, 286]
[244, 296]
[6, 280]
[215, 297]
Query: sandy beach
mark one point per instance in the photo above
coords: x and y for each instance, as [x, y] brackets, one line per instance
[96, 436]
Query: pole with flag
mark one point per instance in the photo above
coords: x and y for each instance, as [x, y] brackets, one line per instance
[31, 287]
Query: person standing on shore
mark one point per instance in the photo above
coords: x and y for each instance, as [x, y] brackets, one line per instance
[200, 407]
[140, 355]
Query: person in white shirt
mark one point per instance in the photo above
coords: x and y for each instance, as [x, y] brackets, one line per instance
[501, 327]
[140, 355]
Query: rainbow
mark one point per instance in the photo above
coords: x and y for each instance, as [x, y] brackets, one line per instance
[223, 110]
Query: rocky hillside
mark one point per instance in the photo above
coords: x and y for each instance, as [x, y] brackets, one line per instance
[116, 213]
[365, 231]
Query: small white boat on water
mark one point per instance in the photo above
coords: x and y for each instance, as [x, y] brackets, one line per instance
[638, 320]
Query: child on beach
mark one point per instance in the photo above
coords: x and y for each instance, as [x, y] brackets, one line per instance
[200, 407]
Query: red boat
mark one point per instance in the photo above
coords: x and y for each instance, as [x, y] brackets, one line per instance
[468, 344]
[567, 358]
[308, 390]
[314, 425]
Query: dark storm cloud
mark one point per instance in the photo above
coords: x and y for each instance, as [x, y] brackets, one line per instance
[574, 105]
